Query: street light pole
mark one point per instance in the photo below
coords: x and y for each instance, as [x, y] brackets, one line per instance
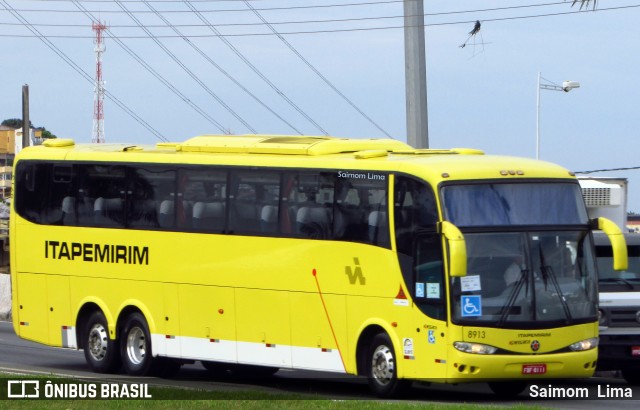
[566, 87]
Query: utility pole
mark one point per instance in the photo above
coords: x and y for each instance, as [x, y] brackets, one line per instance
[415, 74]
[26, 124]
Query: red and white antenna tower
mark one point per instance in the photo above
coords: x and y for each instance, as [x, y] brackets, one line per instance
[98, 98]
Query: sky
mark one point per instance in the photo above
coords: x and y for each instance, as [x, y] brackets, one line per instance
[203, 67]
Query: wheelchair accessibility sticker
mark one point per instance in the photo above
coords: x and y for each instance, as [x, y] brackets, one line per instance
[471, 306]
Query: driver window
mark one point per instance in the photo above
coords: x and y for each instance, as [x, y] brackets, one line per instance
[429, 286]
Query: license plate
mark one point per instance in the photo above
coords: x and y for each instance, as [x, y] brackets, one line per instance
[534, 368]
[635, 350]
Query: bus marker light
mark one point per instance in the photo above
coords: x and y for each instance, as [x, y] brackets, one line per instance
[169, 337]
[635, 350]
[394, 324]
[270, 345]
[221, 311]
[214, 340]
[24, 323]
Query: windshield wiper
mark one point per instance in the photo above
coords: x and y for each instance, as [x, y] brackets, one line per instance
[547, 273]
[617, 280]
[511, 300]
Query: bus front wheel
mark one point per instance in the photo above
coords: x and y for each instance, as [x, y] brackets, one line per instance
[135, 346]
[382, 370]
[100, 352]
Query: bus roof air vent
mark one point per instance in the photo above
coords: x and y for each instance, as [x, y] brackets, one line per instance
[372, 153]
[287, 145]
[58, 143]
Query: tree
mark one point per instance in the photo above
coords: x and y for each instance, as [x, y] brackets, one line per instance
[17, 123]
[46, 133]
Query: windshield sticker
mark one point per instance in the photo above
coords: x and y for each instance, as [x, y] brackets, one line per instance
[470, 283]
[419, 290]
[471, 306]
[433, 291]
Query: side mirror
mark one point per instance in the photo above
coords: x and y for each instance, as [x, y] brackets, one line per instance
[457, 248]
[618, 244]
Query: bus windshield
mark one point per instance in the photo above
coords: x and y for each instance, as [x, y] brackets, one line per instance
[503, 204]
[525, 279]
[529, 257]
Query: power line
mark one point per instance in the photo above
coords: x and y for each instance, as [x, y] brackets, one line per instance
[83, 73]
[216, 65]
[253, 67]
[187, 70]
[607, 170]
[321, 6]
[153, 72]
[219, 35]
[315, 70]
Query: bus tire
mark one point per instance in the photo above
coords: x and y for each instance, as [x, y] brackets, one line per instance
[382, 370]
[508, 390]
[135, 346]
[100, 352]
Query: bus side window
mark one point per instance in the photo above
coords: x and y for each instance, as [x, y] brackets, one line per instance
[201, 203]
[109, 188]
[360, 211]
[150, 186]
[415, 208]
[313, 205]
[253, 203]
[429, 286]
[34, 200]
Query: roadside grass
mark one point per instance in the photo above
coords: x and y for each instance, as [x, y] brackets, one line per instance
[183, 398]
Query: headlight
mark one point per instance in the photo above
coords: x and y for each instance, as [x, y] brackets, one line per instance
[586, 344]
[475, 348]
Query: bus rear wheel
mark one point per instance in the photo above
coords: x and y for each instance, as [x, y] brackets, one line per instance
[382, 368]
[100, 352]
[135, 346]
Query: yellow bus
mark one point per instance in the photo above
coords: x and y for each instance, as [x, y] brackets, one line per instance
[257, 253]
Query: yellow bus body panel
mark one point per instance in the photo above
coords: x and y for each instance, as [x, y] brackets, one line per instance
[282, 302]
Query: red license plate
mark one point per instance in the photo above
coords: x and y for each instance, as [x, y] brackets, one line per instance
[534, 368]
[635, 350]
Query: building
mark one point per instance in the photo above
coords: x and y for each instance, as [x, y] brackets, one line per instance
[10, 143]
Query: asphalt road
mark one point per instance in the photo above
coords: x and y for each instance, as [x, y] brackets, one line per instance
[24, 357]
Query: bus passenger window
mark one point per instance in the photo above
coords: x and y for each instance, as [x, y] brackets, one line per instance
[201, 203]
[360, 211]
[109, 189]
[253, 202]
[40, 198]
[149, 188]
[312, 204]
